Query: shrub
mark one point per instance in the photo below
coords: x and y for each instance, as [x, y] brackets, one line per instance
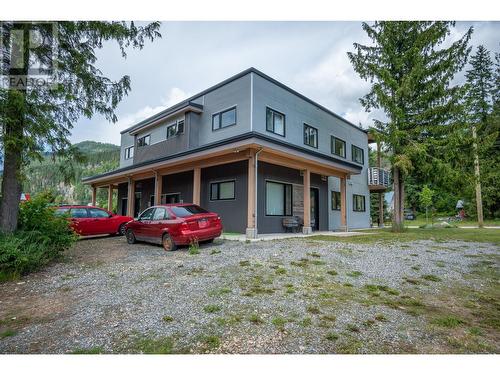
[41, 237]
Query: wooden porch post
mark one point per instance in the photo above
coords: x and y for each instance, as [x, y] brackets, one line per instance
[251, 231]
[94, 194]
[158, 187]
[110, 197]
[306, 229]
[197, 185]
[131, 197]
[343, 204]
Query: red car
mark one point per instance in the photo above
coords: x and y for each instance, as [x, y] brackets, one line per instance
[176, 224]
[89, 220]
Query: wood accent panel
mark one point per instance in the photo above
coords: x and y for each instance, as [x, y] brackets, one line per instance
[251, 191]
[94, 194]
[158, 188]
[307, 198]
[130, 197]
[197, 185]
[110, 197]
[343, 203]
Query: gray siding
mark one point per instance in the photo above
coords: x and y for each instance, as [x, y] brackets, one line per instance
[298, 112]
[233, 212]
[179, 183]
[127, 140]
[270, 172]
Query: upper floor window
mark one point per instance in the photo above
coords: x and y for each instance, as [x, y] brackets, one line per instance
[338, 146]
[358, 155]
[358, 203]
[224, 119]
[310, 136]
[144, 141]
[175, 129]
[275, 122]
[336, 200]
[129, 152]
[220, 191]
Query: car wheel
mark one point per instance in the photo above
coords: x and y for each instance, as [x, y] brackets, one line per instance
[168, 243]
[130, 236]
[121, 229]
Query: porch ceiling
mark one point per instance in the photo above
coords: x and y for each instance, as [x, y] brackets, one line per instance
[229, 153]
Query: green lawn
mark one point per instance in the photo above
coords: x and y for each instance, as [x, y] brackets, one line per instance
[467, 222]
[436, 234]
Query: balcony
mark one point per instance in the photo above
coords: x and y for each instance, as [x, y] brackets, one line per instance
[378, 179]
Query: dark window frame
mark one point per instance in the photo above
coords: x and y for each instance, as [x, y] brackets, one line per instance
[354, 208]
[306, 126]
[176, 126]
[220, 127]
[273, 111]
[127, 152]
[334, 148]
[353, 147]
[285, 184]
[218, 191]
[338, 201]
[148, 136]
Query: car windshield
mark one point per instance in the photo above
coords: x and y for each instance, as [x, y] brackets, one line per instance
[184, 211]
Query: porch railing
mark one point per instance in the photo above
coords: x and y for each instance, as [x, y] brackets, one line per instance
[378, 177]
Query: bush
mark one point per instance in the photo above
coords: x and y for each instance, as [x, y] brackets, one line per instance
[40, 238]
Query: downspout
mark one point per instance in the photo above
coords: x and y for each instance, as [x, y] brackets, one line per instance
[256, 187]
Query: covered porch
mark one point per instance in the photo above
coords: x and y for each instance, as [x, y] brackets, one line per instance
[189, 179]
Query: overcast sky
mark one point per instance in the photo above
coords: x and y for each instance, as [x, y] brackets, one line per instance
[310, 57]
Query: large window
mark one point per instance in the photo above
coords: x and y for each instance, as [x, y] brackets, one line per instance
[175, 129]
[278, 199]
[358, 155]
[310, 136]
[358, 203]
[220, 191]
[144, 141]
[338, 146]
[275, 122]
[129, 152]
[336, 200]
[224, 119]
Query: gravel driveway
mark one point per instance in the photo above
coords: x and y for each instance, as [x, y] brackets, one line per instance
[288, 296]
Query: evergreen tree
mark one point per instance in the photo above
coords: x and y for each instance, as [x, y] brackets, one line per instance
[411, 82]
[36, 117]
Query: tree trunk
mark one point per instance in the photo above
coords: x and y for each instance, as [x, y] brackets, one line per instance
[12, 136]
[479, 198]
[397, 222]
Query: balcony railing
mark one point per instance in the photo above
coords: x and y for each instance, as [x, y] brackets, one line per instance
[378, 178]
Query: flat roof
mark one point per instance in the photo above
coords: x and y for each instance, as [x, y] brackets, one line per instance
[189, 100]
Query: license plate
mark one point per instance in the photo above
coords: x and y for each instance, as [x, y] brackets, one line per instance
[203, 223]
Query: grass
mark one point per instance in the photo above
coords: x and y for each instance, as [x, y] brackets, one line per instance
[332, 272]
[7, 333]
[211, 342]
[167, 319]
[448, 321]
[313, 309]
[162, 345]
[212, 309]
[194, 248]
[408, 235]
[215, 251]
[279, 322]
[354, 274]
[93, 350]
[331, 336]
[255, 319]
[431, 278]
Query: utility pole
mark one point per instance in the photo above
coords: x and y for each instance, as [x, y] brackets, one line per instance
[479, 198]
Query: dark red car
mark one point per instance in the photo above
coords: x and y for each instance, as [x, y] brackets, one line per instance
[89, 220]
[174, 224]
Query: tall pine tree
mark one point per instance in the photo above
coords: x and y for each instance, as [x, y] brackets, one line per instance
[36, 117]
[411, 75]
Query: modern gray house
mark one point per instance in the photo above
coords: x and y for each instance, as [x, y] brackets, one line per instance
[251, 149]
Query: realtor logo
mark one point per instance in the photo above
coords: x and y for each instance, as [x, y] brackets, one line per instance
[28, 54]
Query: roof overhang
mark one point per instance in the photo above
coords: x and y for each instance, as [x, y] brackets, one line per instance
[231, 150]
[164, 116]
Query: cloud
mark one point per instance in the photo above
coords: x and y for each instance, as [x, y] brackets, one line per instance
[110, 133]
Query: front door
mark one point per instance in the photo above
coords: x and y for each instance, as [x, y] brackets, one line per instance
[314, 208]
[123, 211]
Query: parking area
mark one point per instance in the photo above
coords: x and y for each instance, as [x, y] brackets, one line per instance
[285, 296]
